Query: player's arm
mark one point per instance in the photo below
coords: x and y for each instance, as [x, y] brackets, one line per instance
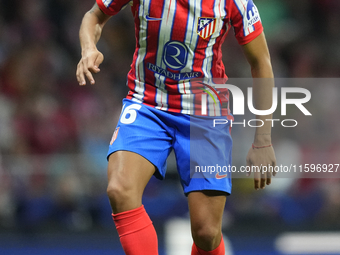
[258, 57]
[89, 34]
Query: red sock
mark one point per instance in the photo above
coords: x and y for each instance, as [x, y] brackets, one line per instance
[220, 250]
[136, 232]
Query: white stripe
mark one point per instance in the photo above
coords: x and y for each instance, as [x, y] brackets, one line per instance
[219, 12]
[222, 13]
[204, 104]
[210, 106]
[187, 98]
[107, 3]
[139, 88]
[214, 109]
[163, 38]
[191, 38]
[136, 100]
[242, 6]
[187, 103]
[140, 82]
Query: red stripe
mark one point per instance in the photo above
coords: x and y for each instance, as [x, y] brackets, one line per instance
[210, 27]
[206, 31]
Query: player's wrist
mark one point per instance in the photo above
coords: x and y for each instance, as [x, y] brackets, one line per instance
[87, 48]
[261, 147]
[262, 139]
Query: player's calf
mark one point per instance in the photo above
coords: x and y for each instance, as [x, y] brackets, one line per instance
[128, 174]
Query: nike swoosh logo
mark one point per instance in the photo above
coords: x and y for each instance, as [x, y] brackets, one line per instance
[147, 17]
[218, 176]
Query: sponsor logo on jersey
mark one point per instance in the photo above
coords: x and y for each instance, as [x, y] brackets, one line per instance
[206, 27]
[148, 18]
[175, 55]
[253, 15]
[114, 136]
[172, 75]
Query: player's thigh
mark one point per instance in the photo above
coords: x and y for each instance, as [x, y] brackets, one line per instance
[140, 130]
[129, 169]
[138, 149]
[206, 212]
[128, 175]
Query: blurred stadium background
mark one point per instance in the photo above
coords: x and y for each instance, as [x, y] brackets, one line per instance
[54, 136]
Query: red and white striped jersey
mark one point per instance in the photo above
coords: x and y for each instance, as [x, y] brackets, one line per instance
[178, 41]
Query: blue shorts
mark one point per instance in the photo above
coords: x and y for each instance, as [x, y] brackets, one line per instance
[201, 149]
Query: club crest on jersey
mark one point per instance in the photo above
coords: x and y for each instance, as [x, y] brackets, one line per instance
[206, 27]
[107, 3]
[114, 136]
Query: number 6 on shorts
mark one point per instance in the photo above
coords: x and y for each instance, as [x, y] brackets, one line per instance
[129, 114]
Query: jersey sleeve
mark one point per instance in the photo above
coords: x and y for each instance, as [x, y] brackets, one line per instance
[111, 7]
[245, 19]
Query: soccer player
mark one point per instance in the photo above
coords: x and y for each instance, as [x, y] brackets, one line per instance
[177, 41]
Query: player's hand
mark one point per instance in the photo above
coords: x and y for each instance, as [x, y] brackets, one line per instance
[265, 157]
[88, 65]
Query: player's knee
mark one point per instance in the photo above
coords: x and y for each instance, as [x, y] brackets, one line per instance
[113, 192]
[118, 192]
[206, 234]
